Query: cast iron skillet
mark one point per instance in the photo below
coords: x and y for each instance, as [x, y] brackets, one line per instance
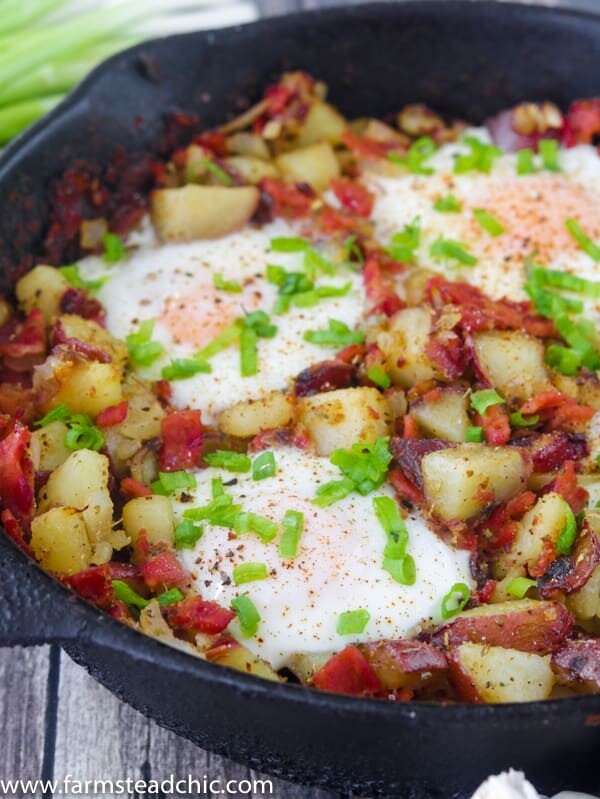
[467, 59]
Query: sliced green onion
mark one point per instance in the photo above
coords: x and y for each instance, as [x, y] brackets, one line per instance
[338, 334]
[455, 600]
[114, 249]
[73, 275]
[224, 340]
[518, 420]
[142, 350]
[379, 376]
[59, 414]
[172, 482]
[264, 466]
[482, 400]
[352, 622]
[480, 158]
[248, 522]
[451, 249]
[519, 586]
[419, 151]
[333, 491]
[248, 351]
[525, 164]
[293, 525]
[293, 244]
[566, 539]
[249, 573]
[586, 244]
[548, 150]
[308, 299]
[183, 368]
[364, 467]
[217, 489]
[474, 435]
[83, 433]
[248, 615]
[539, 275]
[232, 461]
[488, 222]
[402, 245]
[403, 571]
[388, 515]
[127, 595]
[221, 511]
[232, 286]
[448, 205]
[169, 597]
[353, 251]
[187, 534]
[563, 360]
[215, 169]
[577, 335]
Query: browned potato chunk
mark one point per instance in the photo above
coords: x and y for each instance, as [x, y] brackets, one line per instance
[460, 482]
[154, 514]
[524, 624]
[445, 417]
[513, 362]
[48, 446]
[338, 419]
[42, 288]
[315, 164]
[482, 673]
[405, 664]
[60, 542]
[248, 418]
[251, 144]
[585, 603]
[91, 333]
[252, 169]
[228, 652]
[202, 212]
[323, 123]
[84, 386]
[577, 665]
[403, 345]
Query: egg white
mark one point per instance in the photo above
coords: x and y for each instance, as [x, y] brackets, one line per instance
[154, 277]
[338, 567]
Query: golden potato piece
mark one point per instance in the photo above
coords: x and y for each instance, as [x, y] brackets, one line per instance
[513, 362]
[315, 164]
[248, 418]
[202, 212]
[60, 542]
[323, 123]
[42, 288]
[154, 514]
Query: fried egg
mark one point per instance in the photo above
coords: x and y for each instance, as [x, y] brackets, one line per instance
[173, 284]
[338, 567]
[532, 209]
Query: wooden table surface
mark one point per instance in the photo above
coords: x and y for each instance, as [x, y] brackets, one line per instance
[56, 720]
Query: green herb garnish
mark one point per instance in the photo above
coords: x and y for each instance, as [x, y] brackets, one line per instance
[352, 622]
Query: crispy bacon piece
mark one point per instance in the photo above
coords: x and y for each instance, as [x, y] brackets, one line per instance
[410, 428]
[164, 570]
[558, 411]
[571, 572]
[408, 454]
[199, 615]
[496, 425]
[16, 471]
[133, 488]
[582, 122]
[353, 196]
[23, 343]
[331, 220]
[577, 664]
[77, 302]
[290, 200]
[479, 312]
[404, 488]
[384, 298]
[324, 376]
[213, 140]
[448, 352]
[113, 415]
[93, 584]
[367, 147]
[182, 441]
[503, 521]
[17, 398]
[347, 672]
[58, 337]
[565, 484]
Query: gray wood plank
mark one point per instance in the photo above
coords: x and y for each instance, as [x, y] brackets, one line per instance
[23, 688]
[99, 737]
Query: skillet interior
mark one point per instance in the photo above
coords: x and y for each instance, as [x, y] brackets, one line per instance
[462, 58]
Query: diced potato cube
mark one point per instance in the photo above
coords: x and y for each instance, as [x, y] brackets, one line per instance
[248, 418]
[460, 482]
[500, 675]
[445, 417]
[338, 419]
[585, 603]
[48, 446]
[252, 144]
[253, 169]
[154, 514]
[229, 652]
[315, 164]
[323, 123]
[403, 345]
[42, 288]
[513, 362]
[60, 542]
[81, 482]
[84, 386]
[90, 332]
[144, 412]
[540, 527]
[202, 212]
